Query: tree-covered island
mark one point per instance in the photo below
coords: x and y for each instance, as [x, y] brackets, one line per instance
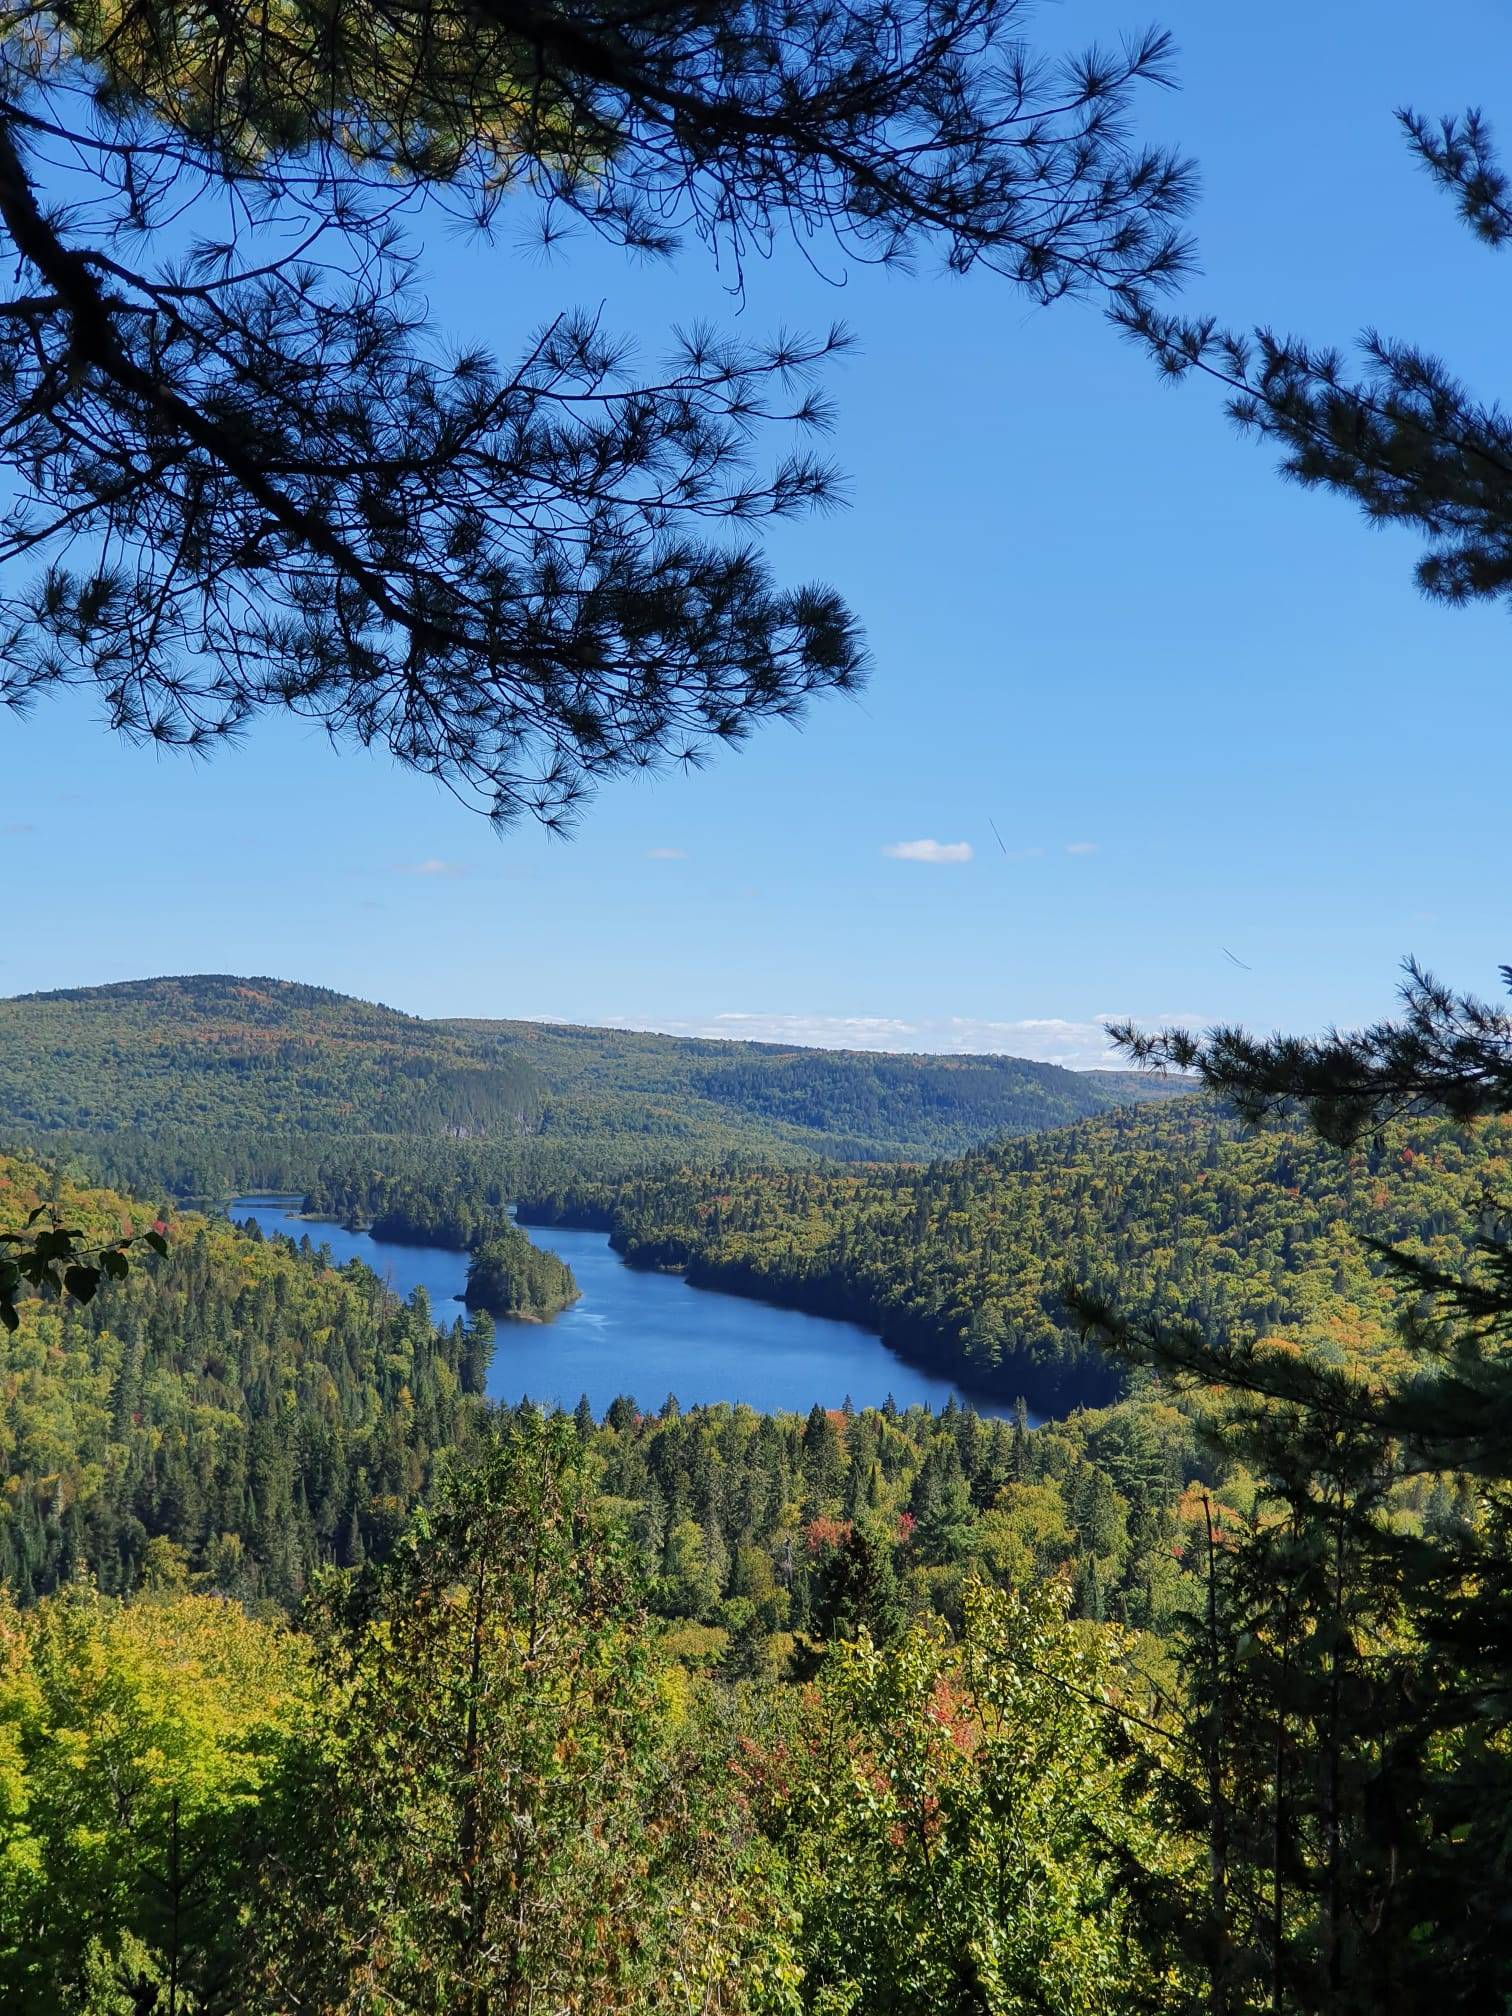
[508, 1276]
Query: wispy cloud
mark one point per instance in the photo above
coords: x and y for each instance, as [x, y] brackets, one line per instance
[1081, 847]
[431, 868]
[1075, 1043]
[666, 854]
[18, 826]
[833, 1032]
[1044, 1039]
[938, 853]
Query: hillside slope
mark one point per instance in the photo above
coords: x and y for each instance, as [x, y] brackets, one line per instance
[258, 1409]
[1176, 1213]
[199, 1080]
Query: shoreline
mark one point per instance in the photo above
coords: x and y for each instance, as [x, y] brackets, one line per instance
[1048, 1391]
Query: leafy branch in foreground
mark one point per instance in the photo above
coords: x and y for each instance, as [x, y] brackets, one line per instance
[1447, 1053]
[1356, 1702]
[61, 1260]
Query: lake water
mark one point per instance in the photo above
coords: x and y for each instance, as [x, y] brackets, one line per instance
[642, 1334]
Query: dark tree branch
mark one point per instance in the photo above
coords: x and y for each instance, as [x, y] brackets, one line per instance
[252, 475]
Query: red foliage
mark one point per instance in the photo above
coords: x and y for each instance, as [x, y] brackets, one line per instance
[822, 1534]
[948, 1712]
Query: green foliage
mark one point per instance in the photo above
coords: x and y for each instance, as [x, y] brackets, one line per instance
[507, 1814]
[218, 1054]
[508, 1276]
[516, 575]
[957, 1838]
[1350, 1732]
[238, 1398]
[246, 1403]
[58, 1261]
[136, 1742]
[1399, 435]
[1088, 1734]
[1444, 1053]
[209, 1084]
[963, 1265]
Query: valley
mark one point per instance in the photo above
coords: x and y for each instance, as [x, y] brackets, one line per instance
[753, 1424]
[641, 1333]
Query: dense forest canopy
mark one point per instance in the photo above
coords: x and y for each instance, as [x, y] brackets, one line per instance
[510, 1752]
[982, 1688]
[237, 1400]
[1176, 1210]
[202, 1085]
[246, 1410]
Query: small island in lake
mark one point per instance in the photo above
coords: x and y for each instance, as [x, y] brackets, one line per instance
[508, 1276]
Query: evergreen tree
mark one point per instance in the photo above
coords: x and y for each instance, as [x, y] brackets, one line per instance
[498, 571]
[1020, 1441]
[858, 1591]
[1374, 1716]
[823, 1459]
[1401, 436]
[478, 1353]
[748, 1654]
[941, 1503]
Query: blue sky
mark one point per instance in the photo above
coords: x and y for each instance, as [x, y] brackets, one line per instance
[1204, 710]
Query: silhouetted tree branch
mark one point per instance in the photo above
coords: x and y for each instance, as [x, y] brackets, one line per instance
[249, 474]
[1447, 1054]
[1397, 432]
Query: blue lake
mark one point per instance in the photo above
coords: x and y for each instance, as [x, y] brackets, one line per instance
[642, 1334]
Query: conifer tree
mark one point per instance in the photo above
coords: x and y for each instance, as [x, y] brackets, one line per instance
[512, 575]
[1397, 433]
[1375, 1711]
[858, 1591]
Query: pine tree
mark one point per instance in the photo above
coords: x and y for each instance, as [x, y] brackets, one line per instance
[1378, 1647]
[858, 1590]
[1021, 1463]
[497, 570]
[1401, 436]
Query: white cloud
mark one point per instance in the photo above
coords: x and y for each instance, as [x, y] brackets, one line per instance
[428, 868]
[825, 1032]
[1082, 847]
[1044, 1039]
[1074, 1043]
[936, 852]
[666, 854]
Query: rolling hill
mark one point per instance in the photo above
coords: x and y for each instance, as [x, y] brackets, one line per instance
[203, 1081]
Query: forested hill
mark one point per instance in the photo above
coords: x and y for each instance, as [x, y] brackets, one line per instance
[1176, 1213]
[211, 1080]
[241, 1412]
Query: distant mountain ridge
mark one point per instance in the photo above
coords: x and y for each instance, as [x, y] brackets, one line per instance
[216, 1059]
